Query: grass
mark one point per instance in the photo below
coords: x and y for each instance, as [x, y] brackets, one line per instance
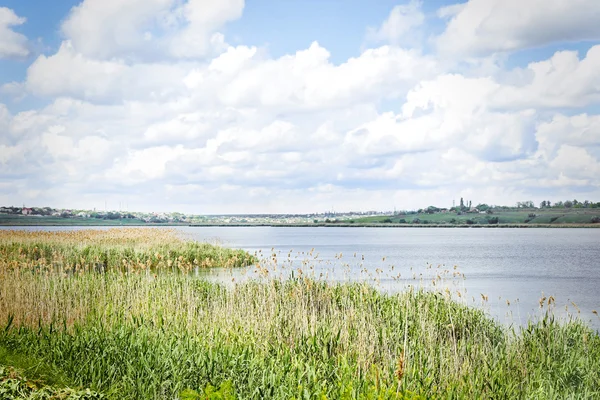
[133, 333]
[552, 217]
[126, 249]
[28, 220]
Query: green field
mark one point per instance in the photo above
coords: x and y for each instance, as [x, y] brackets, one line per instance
[143, 327]
[553, 217]
[17, 220]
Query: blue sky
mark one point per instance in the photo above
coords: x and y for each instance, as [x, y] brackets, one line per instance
[296, 106]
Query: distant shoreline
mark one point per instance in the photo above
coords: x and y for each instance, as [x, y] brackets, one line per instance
[348, 225]
[308, 225]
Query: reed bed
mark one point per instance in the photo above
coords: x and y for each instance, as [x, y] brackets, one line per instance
[115, 249]
[136, 333]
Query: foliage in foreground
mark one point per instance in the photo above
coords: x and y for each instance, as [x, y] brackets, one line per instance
[169, 335]
[14, 386]
[152, 338]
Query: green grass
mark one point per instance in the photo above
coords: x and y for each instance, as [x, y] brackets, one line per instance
[116, 249]
[136, 334]
[27, 220]
[545, 217]
[23, 376]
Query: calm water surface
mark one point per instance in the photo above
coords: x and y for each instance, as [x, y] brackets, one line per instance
[515, 265]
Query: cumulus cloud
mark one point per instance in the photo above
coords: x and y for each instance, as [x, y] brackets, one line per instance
[148, 29]
[12, 44]
[480, 27]
[561, 81]
[146, 102]
[400, 25]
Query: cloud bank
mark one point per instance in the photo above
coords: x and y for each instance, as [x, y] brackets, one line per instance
[146, 102]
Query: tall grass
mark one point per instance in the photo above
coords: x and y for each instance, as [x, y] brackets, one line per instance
[135, 334]
[128, 249]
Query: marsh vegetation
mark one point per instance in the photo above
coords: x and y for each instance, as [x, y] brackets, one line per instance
[144, 327]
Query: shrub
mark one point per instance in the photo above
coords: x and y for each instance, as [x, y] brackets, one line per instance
[595, 220]
[416, 221]
[470, 222]
[492, 220]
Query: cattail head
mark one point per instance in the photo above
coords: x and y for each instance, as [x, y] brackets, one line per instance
[400, 367]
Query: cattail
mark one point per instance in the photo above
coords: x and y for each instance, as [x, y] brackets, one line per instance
[399, 373]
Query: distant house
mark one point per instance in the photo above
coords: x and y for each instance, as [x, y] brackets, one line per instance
[26, 211]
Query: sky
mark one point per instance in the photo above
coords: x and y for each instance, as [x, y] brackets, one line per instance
[297, 106]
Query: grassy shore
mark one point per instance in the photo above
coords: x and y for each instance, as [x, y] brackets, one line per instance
[503, 218]
[139, 330]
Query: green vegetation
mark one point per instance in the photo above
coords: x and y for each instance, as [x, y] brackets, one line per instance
[124, 250]
[18, 220]
[132, 333]
[42, 382]
[493, 217]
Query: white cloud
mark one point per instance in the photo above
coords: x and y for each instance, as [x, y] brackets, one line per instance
[448, 112]
[575, 163]
[149, 29]
[209, 127]
[113, 28]
[579, 130]
[307, 80]
[481, 27]
[202, 18]
[562, 81]
[400, 25]
[12, 44]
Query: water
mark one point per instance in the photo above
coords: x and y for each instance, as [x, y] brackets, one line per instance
[516, 265]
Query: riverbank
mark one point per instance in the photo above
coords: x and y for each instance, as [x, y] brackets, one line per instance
[140, 332]
[392, 225]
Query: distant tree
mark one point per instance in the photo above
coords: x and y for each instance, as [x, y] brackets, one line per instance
[462, 203]
[543, 204]
[492, 220]
[482, 207]
[568, 204]
[469, 204]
